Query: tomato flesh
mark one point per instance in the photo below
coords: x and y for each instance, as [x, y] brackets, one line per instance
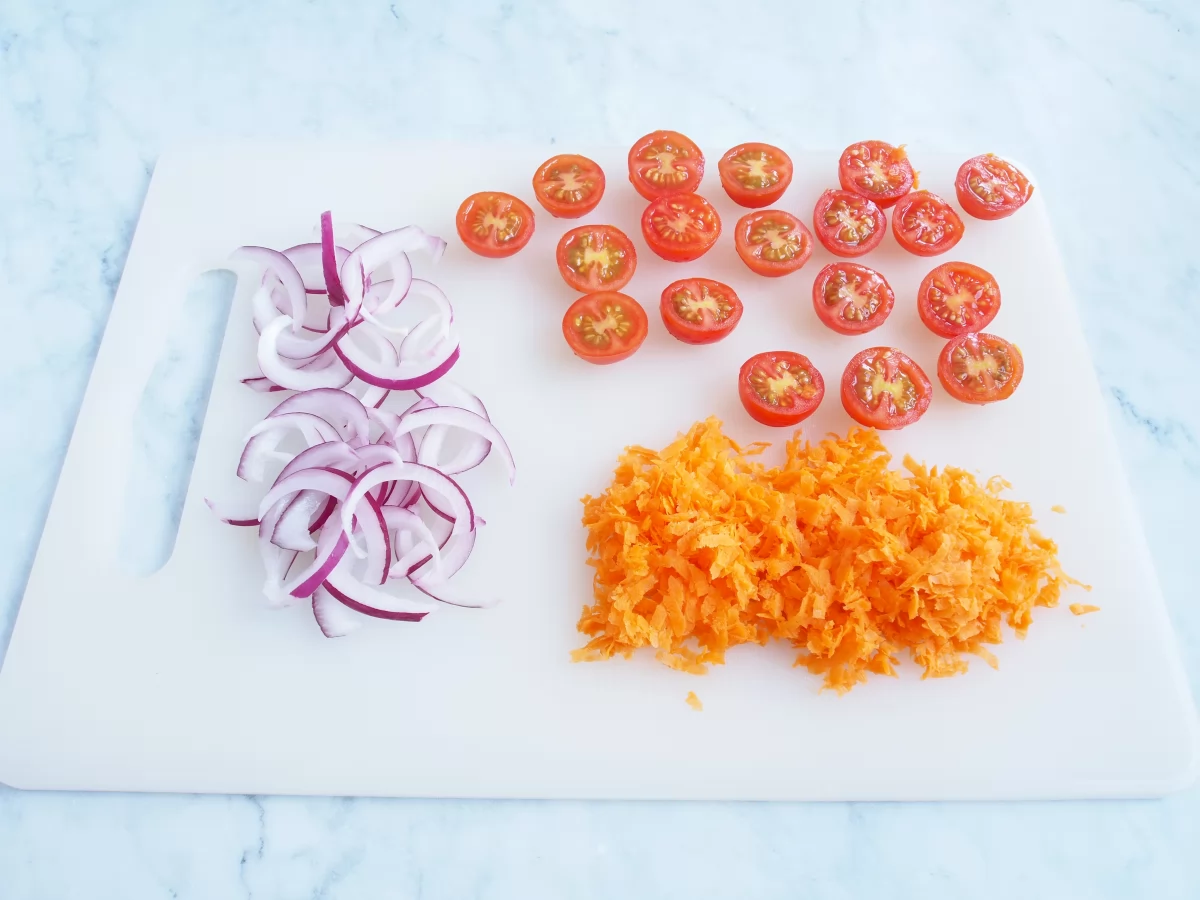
[663, 163]
[596, 258]
[700, 310]
[989, 187]
[494, 224]
[772, 242]
[680, 227]
[956, 298]
[605, 327]
[568, 186]
[847, 224]
[852, 298]
[980, 368]
[883, 388]
[876, 170]
[925, 224]
[755, 175]
[780, 388]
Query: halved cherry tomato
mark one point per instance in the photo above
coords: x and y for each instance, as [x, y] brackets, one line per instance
[494, 224]
[680, 227]
[665, 162]
[780, 388]
[847, 224]
[700, 310]
[990, 188]
[980, 368]
[772, 242]
[925, 224]
[876, 170]
[883, 388]
[568, 186]
[596, 258]
[755, 175]
[957, 297]
[851, 298]
[605, 327]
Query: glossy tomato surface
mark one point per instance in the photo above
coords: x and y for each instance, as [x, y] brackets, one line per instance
[851, 298]
[494, 224]
[772, 242]
[958, 297]
[925, 224]
[680, 227]
[988, 187]
[848, 225]
[876, 170]
[883, 388]
[596, 258]
[665, 162]
[980, 368]
[568, 186]
[700, 310]
[780, 388]
[755, 175]
[605, 327]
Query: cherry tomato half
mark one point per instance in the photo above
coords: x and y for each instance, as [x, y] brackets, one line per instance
[851, 298]
[957, 297]
[990, 188]
[680, 227]
[665, 162]
[755, 175]
[883, 388]
[772, 242]
[596, 258]
[876, 170]
[494, 224]
[568, 186]
[700, 310]
[780, 388]
[925, 224]
[605, 327]
[980, 368]
[847, 224]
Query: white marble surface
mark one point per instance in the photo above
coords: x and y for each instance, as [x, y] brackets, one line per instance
[1098, 99]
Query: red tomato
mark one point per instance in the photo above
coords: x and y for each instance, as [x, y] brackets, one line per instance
[883, 388]
[605, 327]
[494, 224]
[957, 297]
[925, 224]
[990, 188]
[780, 388]
[568, 186]
[680, 227]
[851, 298]
[772, 242]
[665, 162]
[980, 368]
[847, 224]
[596, 258]
[755, 175]
[700, 310]
[877, 171]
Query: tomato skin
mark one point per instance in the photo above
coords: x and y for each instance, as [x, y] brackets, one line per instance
[840, 206]
[920, 215]
[701, 229]
[755, 175]
[568, 186]
[707, 330]
[876, 170]
[855, 278]
[599, 305]
[771, 364]
[646, 158]
[604, 238]
[895, 367]
[987, 170]
[751, 238]
[994, 385]
[958, 279]
[481, 238]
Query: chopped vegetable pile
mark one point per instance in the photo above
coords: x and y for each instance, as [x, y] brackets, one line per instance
[698, 548]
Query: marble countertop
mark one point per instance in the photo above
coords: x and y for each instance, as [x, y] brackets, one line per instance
[1098, 99]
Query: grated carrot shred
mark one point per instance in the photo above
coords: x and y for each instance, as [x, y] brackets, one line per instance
[1082, 609]
[694, 702]
[699, 548]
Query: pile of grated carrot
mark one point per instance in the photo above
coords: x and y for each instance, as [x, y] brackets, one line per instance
[698, 548]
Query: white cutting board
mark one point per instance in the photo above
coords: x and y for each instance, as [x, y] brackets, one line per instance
[186, 681]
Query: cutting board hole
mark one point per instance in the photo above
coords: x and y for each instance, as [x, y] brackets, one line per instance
[167, 424]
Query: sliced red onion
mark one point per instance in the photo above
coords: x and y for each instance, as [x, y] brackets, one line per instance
[371, 601]
[262, 385]
[340, 409]
[301, 347]
[292, 531]
[351, 234]
[389, 247]
[277, 562]
[264, 438]
[445, 392]
[335, 454]
[309, 262]
[404, 376]
[458, 503]
[328, 481]
[421, 544]
[333, 618]
[242, 520]
[377, 538]
[286, 272]
[453, 417]
[331, 550]
[330, 262]
[336, 375]
[389, 356]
